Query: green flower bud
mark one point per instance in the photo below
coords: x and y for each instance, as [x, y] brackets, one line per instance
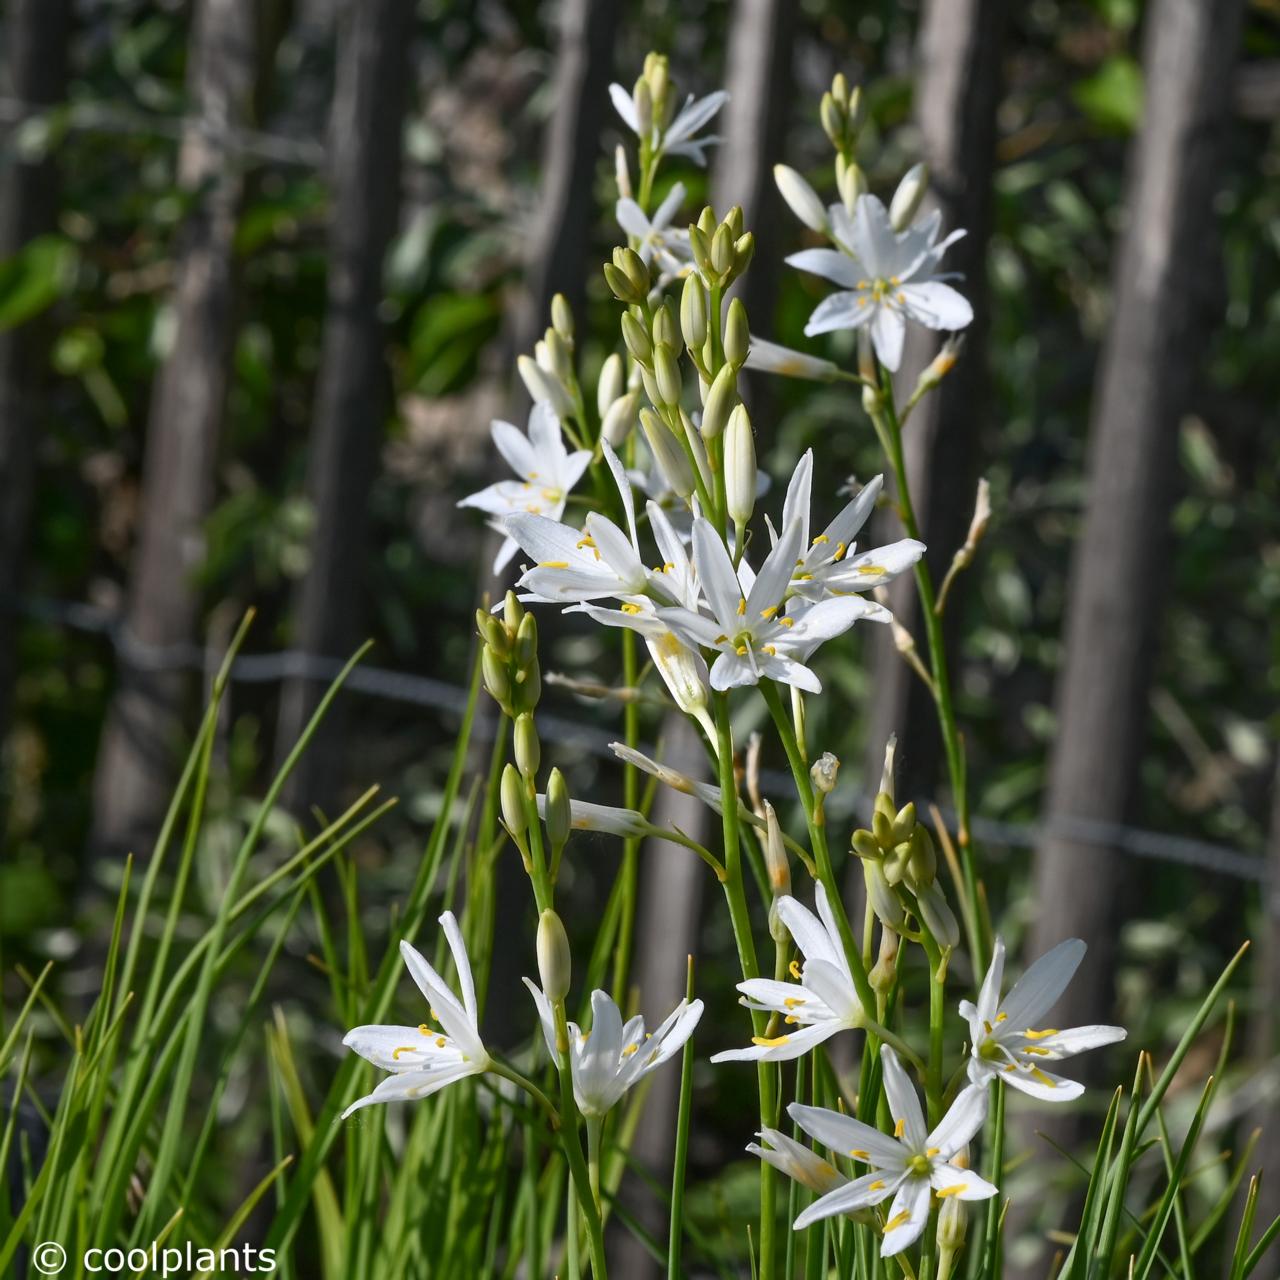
[642, 100]
[733, 220]
[667, 453]
[528, 688]
[722, 250]
[720, 400]
[693, 313]
[620, 418]
[528, 748]
[865, 845]
[740, 467]
[618, 283]
[612, 383]
[666, 372]
[554, 961]
[909, 196]
[851, 182]
[665, 328]
[840, 89]
[560, 354]
[904, 822]
[559, 817]
[882, 829]
[636, 336]
[512, 613]
[526, 641]
[497, 679]
[511, 796]
[922, 862]
[737, 336]
[700, 246]
[562, 317]
[833, 121]
[707, 222]
[884, 902]
[744, 249]
[493, 633]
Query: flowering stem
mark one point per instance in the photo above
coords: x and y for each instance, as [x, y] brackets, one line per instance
[937, 1020]
[593, 1157]
[818, 838]
[631, 847]
[889, 428]
[735, 893]
[516, 1077]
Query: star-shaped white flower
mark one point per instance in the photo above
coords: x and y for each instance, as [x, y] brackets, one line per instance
[821, 1002]
[797, 1161]
[910, 1165]
[830, 564]
[749, 625]
[611, 1057]
[888, 278]
[546, 469]
[1008, 1040]
[424, 1059]
[659, 241]
[678, 138]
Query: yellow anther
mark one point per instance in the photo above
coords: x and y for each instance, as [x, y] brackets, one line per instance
[741, 651]
[631, 608]
[404, 1048]
[1040, 1053]
[794, 1002]
[585, 541]
[786, 622]
[791, 1019]
[424, 1029]
[804, 577]
[629, 1050]
[441, 1042]
[877, 1185]
[841, 548]
[794, 969]
[950, 1191]
[770, 650]
[896, 1221]
[858, 1154]
[554, 564]
[742, 608]
[822, 537]
[1040, 1035]
[1002, 1017]
[933, 1151]
[768, 613]
[1037, 1074]
[899, 1128]
[766, 1043]
[869, 570]
[721, 639]
[986, 1026]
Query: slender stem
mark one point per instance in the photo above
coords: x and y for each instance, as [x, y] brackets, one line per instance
[937, 1027]
[509, 1072]
[629, 871]
[676, 1224]
[594, 1126]
[889, 429]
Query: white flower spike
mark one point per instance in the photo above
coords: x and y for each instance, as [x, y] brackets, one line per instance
[546, 469]
[679, 137]
[910, 1166]
[756, 635]
[888, 278]
[820, 1003]
[611, 1057]
[423, 1059]
[1008, 1040]
[830, 564]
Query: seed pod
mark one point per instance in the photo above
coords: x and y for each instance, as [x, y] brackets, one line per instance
[740, 466]
[720, 400]
[559, 815]
[693, 313]
[511, 796]
[737, 336]
[554, 961]
[528, 748]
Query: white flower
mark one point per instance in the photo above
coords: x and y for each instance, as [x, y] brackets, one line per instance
[659, 241]
[888, 278]
[797, 1161]
[611, 1057]
[770, 357]
[422, 1058]
[908, 1166]
[1007, 1039]
[546, 469]
[677, 139]
[821, 1002]
[584, 816]
[748, 627]
[801, 198]
[832, 565]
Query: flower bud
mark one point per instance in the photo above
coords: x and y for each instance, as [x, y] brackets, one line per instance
[737, 335]
[611, 384]
[554, 962]
[636, 337]
[733, 220]
[559, 813]
[528, 748]
[882, 828]
[775, 854]
[700, 247]
[904, 822]
[526, 640]
[833, 121]
[953, 1220]
[642, 100]
[559, 353]
[851, 182]
[666, 374]
[622, 172]
[513, 613]
[620, 418]
[938, 367]
[740, 466]
[744, 249]
[707, 223]
[562, 317]
[693, 313]
[720, 400]
[801, 198]
[633, 266]
[497, 679]
[937, 916]
[511, 797]
[528, 688]
[922, 861]
[664, 326]
[542, 385]
[884, 902]
[824, 772]
[908, 197]
[493, 633]
[840, 89]
[667, 453]
[865, 845]
[884, 972]
[722, 250]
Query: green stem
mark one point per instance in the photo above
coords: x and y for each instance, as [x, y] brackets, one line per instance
[516, 1077]
[937, 1028]
[889, 429]
[629, 871]
[594, 1126]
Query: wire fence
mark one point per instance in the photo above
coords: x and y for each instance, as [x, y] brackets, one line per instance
[445, 697]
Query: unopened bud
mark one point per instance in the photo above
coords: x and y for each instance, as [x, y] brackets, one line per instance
[707, 223]
[831, 113]
[722, 397]
[497, 679]
[513, 612]
[722, 250]
[612, 383]
[555, 966]
[620, 418]
[700, 248]
[642, 100]
[981, 517]
[775, 854]
[908, 197]
[922, 861]
[559, 353]
[666, 374]
[636, 336]
[953, 1220]
[493, 633]
[937, 916]
[667, 453]
[511, 796]
[528, 748]
[801, 198]
[865, 845]
[559, 814]
[693, 312]
[904, 822]
[884, 973]
[851, 182]
[562, 317]
[733, 220]
[744, 249]
[824, 772]
[526, 640]
[938, 367]
[622, 172]
[840, 88]
[884, 902]
[543, 385]
[632, 265]
[528, 688]
[740, 466]
[737, 334]
[665, 328]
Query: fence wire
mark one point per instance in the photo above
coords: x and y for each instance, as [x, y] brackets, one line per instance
[443, 696]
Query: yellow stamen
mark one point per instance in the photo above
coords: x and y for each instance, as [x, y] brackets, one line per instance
[742, 608]
[629, 1050]
[870, 570]
[768, 613]
[1040, 1035]
[1040, 1053]
[841, 548]
[741, 651]
[424, 1029]
[794, 969]
[786, 622]
[585, 541]
[933, 1151]
[877, 1185]
[950, 1191]
[896, 1221]
[822, 537]
[767, 1043]
[405, 1048]
[986, 1026]
[1037, 1074]
[899, 1128]
[1002, 1017]
[769, 649]
[858, 1154]
[793, 1002]
[554, 564]
[441, 1042]
[631, 608]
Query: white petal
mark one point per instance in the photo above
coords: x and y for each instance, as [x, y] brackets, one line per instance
[692, 627]
[715, 572]
[861, 1193]
[874, 240]
[624, 106]
[873, 568]
[692, 116]
[831, 265]
[795, 506]
[546, 437]
[844, 528]
[546, 540]
[771, 582]
[452, 1016]
[989, 996]
[631, 218]
[1045, 1085]
[832, 985]
[400, 1048]
[945, 1176]
[888, 328]
[784, 1048]
[936, 305]
[904, 1102]
[845, 1135]
[784, 670]
[811, 936]
[772, 994]
[1037, 991]
[412, 1085]
[669, 207]
[546, 1016]
[505, 498]
[963, 1119]
[515, 448]
[1063, 1044]
[730, 671]
[844, 310]
[913, 1200]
